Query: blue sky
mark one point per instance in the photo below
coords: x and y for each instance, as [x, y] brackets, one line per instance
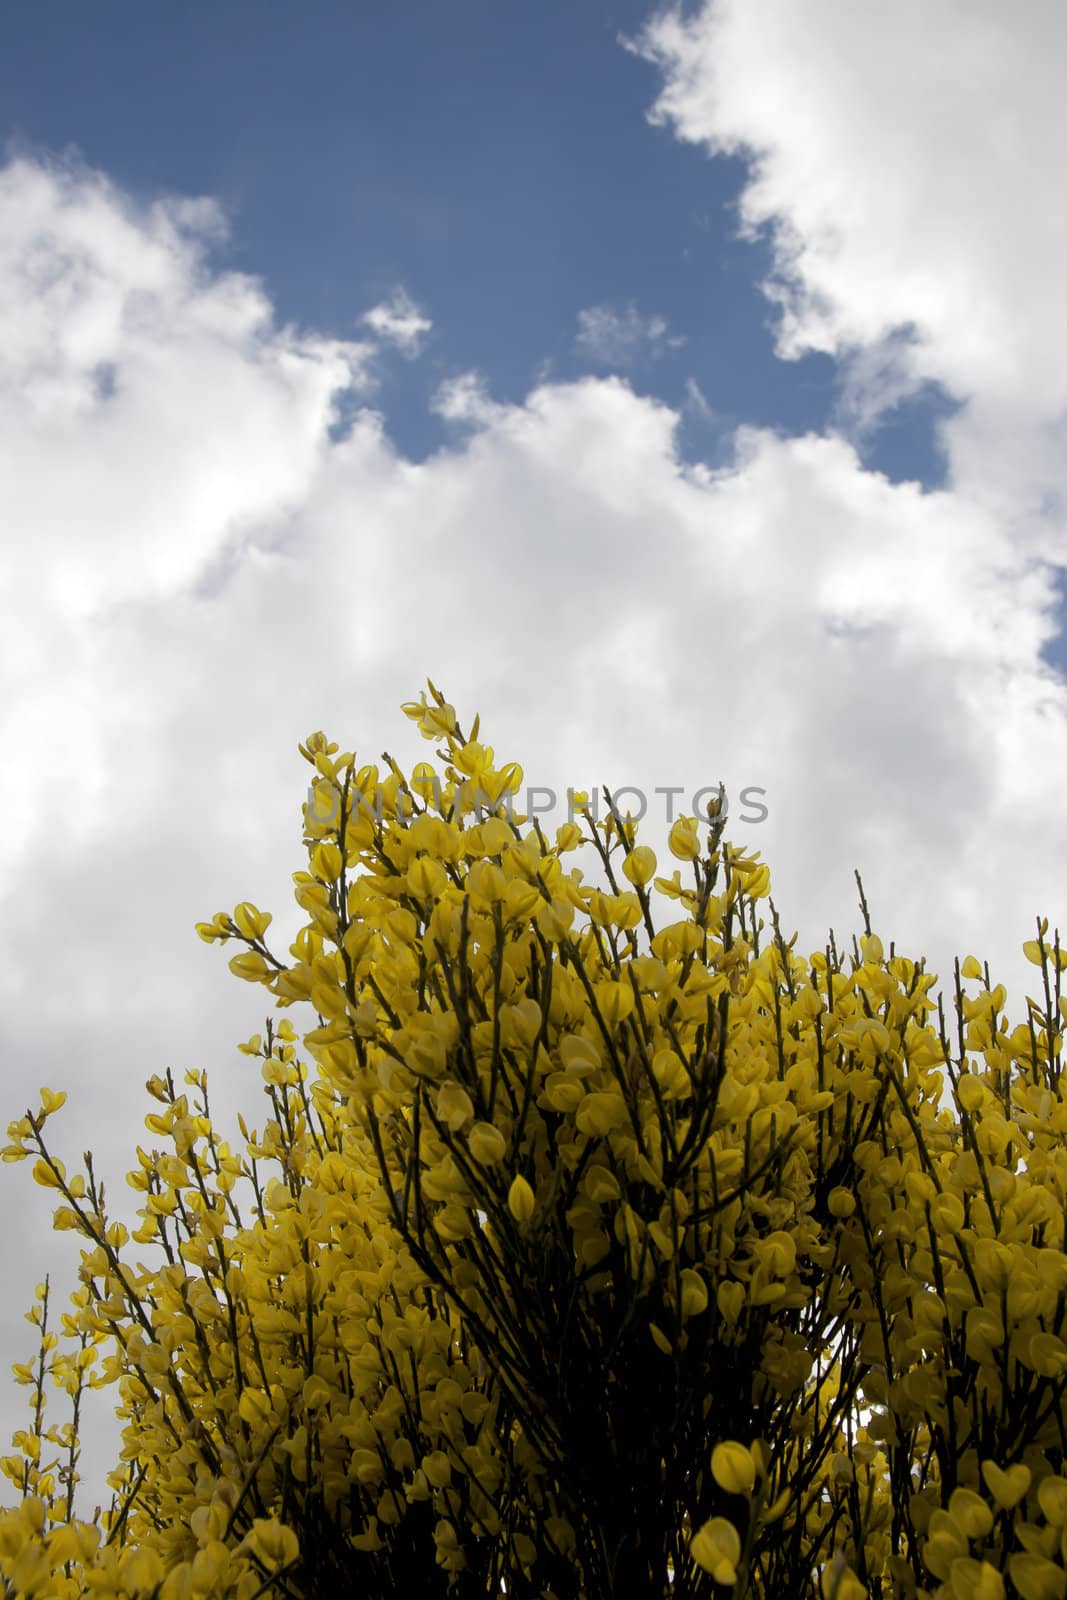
[489, 157]
[691, 408]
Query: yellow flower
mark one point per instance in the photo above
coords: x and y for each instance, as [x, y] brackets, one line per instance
[717, 1548]
[757, 884]
[520, 1023]
[521, 1200]
[694, 1293]
[671, 1075]
[486, 883]
[486, 1144]
[564, 1092]
[454, 1106]
[274, 1543]
[251, 966]
[253, 924]
[975, 1580]
[682, 840]
[1052, 1498]
[1037, 1578]
[733, 1468]
[554, 918]
[970, 1513]
[601, 1185]
[426, 878]
[730, 1299]
[141, 1568]
[597, 1114]
[970, 1091]
[578, 1054]
[640, 864]
[839, 1582]
[615, 1000]
[666, 1143]
[46, 1177]
[1006, 1486]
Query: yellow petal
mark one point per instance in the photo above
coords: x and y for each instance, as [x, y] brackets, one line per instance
[660, 1340]
[1006, 1486]
[694, 1294]
[717, 1548]
[521, 1200]
[733, 1468]
[1037, 1578]
[253, 924]
[730, 1299]
[970, 1513]
[682, 840]
[487, 1144]
[251, 966]
[640, 864]
[1052, 1498]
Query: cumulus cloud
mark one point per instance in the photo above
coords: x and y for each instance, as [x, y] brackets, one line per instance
[622, 338]
[89, 286]
[399, 321]
[901, 163]
[201, 573]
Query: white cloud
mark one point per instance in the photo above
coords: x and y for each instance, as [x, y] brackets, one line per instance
[621, 339]
[874, 380]
[697, 400]
[465, 398]
[903, 160]
[399, 321]
[199, 575]
[86, 284]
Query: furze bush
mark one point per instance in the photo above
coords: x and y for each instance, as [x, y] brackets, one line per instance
[581, 1256]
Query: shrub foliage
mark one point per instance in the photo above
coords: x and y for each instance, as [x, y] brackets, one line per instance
[582, 1256]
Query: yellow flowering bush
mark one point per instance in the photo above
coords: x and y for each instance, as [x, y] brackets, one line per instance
[581, 1254]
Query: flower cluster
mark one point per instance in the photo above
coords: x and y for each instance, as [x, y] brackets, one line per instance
[581, 1254]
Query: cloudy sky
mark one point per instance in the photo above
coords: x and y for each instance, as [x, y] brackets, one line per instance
[684, 391]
